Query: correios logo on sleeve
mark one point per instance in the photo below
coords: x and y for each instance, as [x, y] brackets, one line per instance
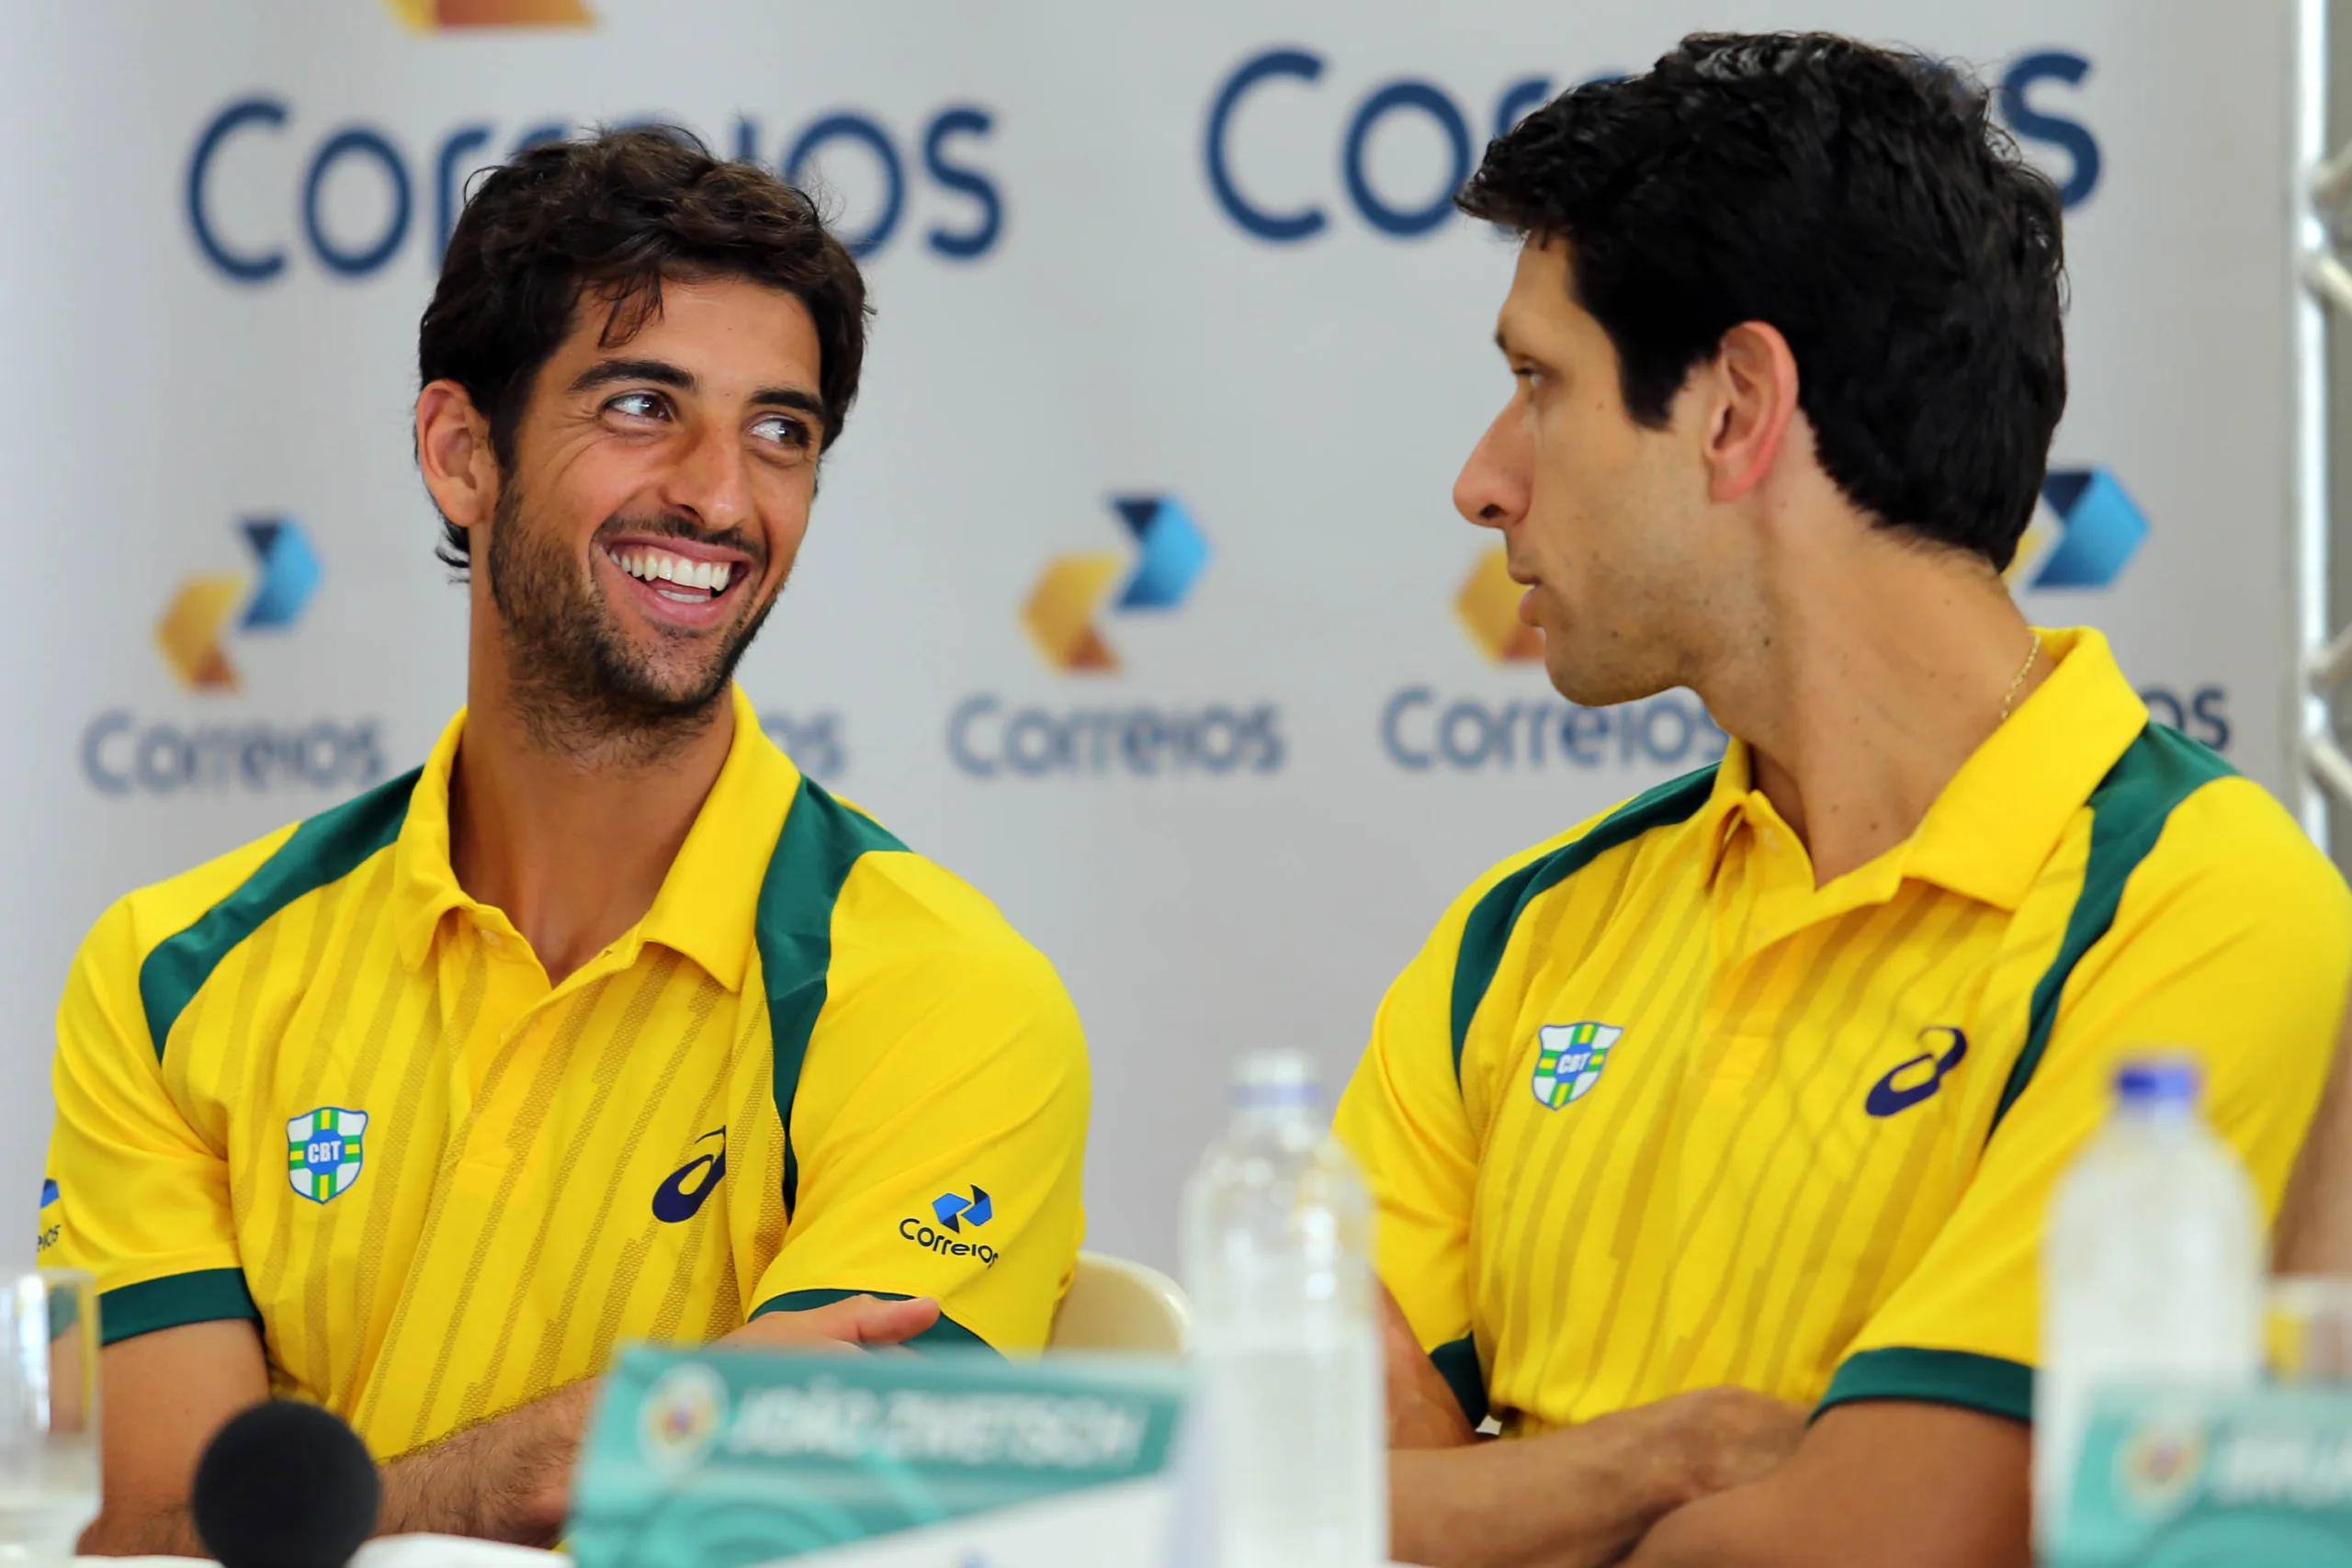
[953, 1211]
[200, 634]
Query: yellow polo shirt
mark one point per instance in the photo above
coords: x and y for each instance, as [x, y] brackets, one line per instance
[1651, 1111]
[314, 1084]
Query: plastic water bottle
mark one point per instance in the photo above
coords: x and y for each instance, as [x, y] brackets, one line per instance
[2152, 1271]
[1277, 1241]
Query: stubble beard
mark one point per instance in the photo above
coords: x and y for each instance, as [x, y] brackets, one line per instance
[582, 691]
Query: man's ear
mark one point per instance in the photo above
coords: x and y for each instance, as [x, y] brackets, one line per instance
[454, 452]
[1754, 392]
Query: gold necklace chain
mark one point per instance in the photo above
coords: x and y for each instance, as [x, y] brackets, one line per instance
[2024, 669]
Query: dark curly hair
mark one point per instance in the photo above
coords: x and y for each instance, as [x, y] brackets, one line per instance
[1859, 200]
[613, 215]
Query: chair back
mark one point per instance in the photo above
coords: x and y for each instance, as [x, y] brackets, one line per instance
[1116, 1304]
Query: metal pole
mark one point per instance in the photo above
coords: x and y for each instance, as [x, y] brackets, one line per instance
[2321, 183]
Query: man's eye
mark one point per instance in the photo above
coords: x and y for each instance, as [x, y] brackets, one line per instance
[636, 405]
[781, 428]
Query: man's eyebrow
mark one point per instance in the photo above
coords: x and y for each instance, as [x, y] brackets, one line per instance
[660, 372]
[791, 398]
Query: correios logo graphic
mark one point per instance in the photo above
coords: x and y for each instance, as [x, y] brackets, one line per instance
[2085, 531]
[1062, 609]
[989, 737]
[124, 754]
[431, 16]
[197, 620]
[954, 1211]
[1489, 607]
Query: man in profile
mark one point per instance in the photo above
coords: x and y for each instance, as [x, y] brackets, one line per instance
[1740, 1104]
[607, 1025]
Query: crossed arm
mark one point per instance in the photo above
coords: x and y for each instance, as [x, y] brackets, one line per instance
[506, 1479]
[1716, 1478]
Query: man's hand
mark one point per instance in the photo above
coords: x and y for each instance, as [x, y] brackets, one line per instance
[847, 1324]
[1890, 1484]
[1584, 1496]
[1713, 1439]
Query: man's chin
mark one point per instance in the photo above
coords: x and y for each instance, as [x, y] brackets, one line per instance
[1587, 685]
[676, 699]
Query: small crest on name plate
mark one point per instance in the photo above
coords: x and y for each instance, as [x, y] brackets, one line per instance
[1569, 1059]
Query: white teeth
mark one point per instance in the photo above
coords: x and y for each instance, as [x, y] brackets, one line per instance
[660, 566]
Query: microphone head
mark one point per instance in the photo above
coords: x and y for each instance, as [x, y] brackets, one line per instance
[286, 1485]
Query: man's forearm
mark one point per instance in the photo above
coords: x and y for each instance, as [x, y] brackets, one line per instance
[1565, 1500]
[507, 1479]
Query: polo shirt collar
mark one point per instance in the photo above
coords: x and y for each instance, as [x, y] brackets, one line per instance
[707, 902]
[1992, 830]
[1993, 827]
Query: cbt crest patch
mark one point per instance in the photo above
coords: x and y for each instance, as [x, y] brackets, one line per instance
[323, 1152]
[1569, 1059]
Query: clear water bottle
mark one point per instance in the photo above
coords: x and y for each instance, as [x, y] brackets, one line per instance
[1277, 1242]
[2152, 1271]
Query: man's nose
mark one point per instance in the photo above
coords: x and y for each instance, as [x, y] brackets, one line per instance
[1491, 490]
[710, 481]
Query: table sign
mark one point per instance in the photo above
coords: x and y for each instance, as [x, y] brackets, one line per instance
[730, 1459]
[2190, 1481]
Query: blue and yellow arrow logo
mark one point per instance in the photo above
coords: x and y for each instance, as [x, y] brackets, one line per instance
[1061, 611]
[192, 630]
[2100, 528]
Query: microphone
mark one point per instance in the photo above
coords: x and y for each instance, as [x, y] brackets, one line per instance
[286, 1485]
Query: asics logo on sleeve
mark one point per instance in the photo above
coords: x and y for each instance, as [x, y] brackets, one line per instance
[1918, 1078]
[680, 1197]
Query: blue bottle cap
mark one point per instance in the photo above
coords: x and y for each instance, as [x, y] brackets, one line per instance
[2158, 1081]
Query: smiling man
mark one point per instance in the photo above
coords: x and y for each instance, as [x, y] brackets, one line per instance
[1741, 1104]
[607, 1025]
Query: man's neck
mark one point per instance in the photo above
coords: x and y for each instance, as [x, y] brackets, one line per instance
[1877, 676]
[572, 850]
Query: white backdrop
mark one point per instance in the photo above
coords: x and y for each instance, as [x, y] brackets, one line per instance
[1235, 837]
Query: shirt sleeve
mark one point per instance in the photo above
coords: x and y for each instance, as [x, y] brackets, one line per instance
[1403, 1119]
[2232, 944]
[939, 1127]
[133, 1194]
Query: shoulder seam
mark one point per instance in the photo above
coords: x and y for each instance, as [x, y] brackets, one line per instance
[323, 850]
[2161, 769]
[1486, 932]
[820, 844]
